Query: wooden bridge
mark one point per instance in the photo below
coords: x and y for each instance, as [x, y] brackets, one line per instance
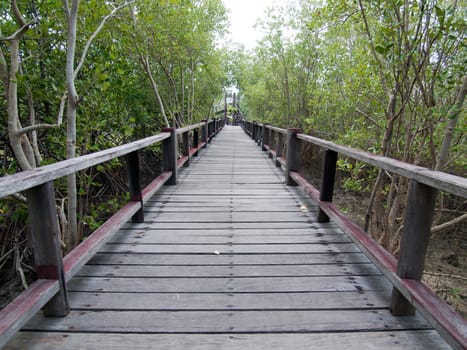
[233, 255]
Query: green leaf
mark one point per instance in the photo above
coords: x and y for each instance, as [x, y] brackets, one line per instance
[381, 49]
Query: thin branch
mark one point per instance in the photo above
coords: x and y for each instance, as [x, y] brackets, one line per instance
[20, 32]
[61, 109]
[96, 32]
[369, 118]
[19, 198]
[448, 224]
[66, 7]
[35, 127]
[18, 16]
[372, 47]
[439, 274]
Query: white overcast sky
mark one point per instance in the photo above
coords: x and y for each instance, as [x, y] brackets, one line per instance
[243, 15]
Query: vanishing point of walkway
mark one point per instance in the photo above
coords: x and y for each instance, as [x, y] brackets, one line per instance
[230, 258]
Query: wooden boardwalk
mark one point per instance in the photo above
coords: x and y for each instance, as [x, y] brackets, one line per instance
[230, 258]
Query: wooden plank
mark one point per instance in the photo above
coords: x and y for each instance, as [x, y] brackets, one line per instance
[230, 301]
[230, 248]
[228, 216]
[218, 225]
[229, 270]
[213, 259]
[227, 321]
[381, 340]
[230, 285]
[223, 237]
[253, 234]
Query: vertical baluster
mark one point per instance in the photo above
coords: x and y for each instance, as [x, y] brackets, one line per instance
[45, 241]
[414, 241]
[204, 133]
[169, 154]
[293, 155]
[279, 148]
[134, 184]
[327, 181]
[186, 147]
[265, 138]
[195, 141]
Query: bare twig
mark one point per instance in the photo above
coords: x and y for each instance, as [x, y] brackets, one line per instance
[439, 274]
[369, 118]
[448, 224]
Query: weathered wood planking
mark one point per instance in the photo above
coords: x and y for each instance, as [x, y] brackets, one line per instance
[231, 284]
[229, 271]
[230, 258]
[418, 340]
[229, 301]
[264, 321]
[230, 248]
[223, 259]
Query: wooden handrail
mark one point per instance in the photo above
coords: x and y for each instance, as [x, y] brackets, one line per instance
[409, 292]
[436, 179]
[24, 180]
[276, 129]
[190, 127]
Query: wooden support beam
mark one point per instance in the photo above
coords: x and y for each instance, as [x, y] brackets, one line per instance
[205, 133]
[210, 130]
[327, 182]
[414, 241]
[169, 154]
[279, 149]
[134, 184]
[259, 134]
[293, 155]
[195, 142]
[265, 137]
[186, 147]
[45, 241]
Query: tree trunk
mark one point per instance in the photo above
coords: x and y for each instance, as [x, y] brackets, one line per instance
[72, 106]
[453, 117]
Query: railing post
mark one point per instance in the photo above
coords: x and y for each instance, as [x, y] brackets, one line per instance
[45, 241]
[186, 147]
[210, 126]
[195, 141]
[271, 137]
[169, 154]
[204, 133]
[259, 134]
[134, 184]
[279, 148]
[293, 155]
[265, 137]
[327, 182]
[414, 241]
